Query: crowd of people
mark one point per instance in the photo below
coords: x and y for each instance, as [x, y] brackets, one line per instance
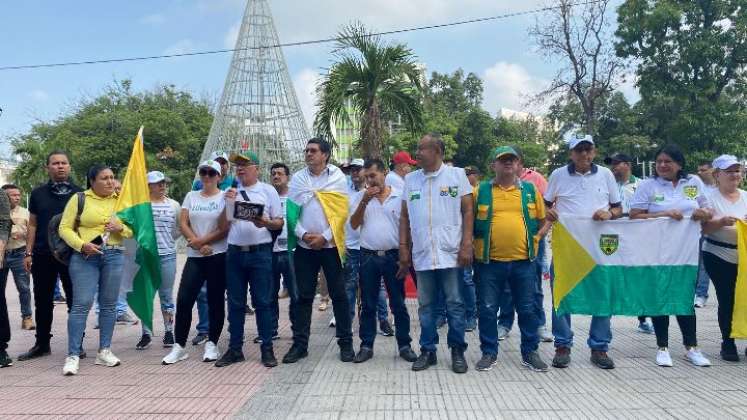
[477, 250]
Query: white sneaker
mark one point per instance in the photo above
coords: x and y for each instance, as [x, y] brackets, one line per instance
[332, 323]
[695, 357]
[71, 366]
[700, 302]
[663, 358]
[177, 354]
[105, 357]
[211, 352]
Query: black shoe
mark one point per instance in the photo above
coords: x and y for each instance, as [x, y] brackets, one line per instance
[534, 362]
[562, 357]
[168, 339]
[295, 354]
[268, 357]
[249, 310]
[347, 354]
[258, 340]
[230, 357]
[363, 355]
[82, 354]
[486, 362]
[144, 342]
[200, 338]
[407, 354]
[458, 362]
[35, 352]
[5, 360]
[602, 360]
[425, 360]
[729, 351]
[386, 328]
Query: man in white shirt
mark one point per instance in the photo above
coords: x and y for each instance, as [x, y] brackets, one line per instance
[403, 163]
[317, 248]
[281, 263]
[435, 236]
[583, 189]
[376, 212]
[705, 173]
[249, 258]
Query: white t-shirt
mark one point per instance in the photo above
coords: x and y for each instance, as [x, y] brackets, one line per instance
[204, 214]
[727, 234]
[395, 181]
[582, 194]
[352, 236]
[434, 206]
[657, 194]
[281, 242]
[243, 233]
[380, 228]
[166, 225]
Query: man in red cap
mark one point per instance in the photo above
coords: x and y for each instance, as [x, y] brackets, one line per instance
[403, 164]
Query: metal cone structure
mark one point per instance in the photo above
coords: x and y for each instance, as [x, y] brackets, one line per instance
[258, 109]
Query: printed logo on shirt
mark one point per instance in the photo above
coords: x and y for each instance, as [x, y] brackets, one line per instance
[444, 191]
[691, 191]
[209, 207]
[658, 198]
[414, 195]
[454, 191]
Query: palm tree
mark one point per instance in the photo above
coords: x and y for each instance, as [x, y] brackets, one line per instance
[370, 78]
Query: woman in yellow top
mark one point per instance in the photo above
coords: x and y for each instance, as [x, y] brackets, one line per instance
[96, 264]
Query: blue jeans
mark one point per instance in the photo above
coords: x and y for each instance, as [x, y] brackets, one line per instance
[600, 333]
[506, 314]
[14, 264]
[351, 271]
[58, 290]
[430, 284]
[283, 266]
[467, 289]
[520, 278]
[252, 269]
[203, 316]
[373, 268]
[166, 293]
[701, 286]
[102, 272]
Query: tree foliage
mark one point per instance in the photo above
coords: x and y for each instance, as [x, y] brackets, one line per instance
[101, 130]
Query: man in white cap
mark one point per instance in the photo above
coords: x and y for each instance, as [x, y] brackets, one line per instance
[583, 189]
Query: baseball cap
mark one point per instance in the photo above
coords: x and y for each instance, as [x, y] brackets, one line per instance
[403, 157]
[724, 162]
[357, 162]
[219, 155]
[504, 150]
[617, 157]
[579, 138]
[470, 170]
[154, 177]
[245, 157]
[211, 164]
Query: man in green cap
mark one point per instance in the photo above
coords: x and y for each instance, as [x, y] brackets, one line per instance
[509, 222]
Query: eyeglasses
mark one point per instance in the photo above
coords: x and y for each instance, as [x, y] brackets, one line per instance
[208, 172]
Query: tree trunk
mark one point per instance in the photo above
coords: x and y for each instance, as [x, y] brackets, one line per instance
[371, 132]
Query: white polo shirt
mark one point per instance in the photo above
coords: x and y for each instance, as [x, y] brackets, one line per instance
[243, 233]
[657, 194]
[380, 228]
[352, 236]
[434, 207]
[394, 180]
[582, 194]
[727, 234]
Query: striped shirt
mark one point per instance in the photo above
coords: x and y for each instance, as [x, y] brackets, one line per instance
[165, 222]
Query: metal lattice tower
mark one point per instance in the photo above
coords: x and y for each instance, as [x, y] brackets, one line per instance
[258, 109]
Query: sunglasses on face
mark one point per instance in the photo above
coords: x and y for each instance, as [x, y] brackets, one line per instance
[208, 172]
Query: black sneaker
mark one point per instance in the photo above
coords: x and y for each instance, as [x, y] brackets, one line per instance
[486, 362]
[534, 362]
[230, 357]
[458, 362]
[562, 357]
[144, 342]
[386, 328]
[363, 355]
[602, 360]
[295, 354]
[200, 338]
[5, 360]
[347, 354]
[729, 351]
[406, 353]
[35, 352]
[425, 360]
[268, 357]
[168, 339]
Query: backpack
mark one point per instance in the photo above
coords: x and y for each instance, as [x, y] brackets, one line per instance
[61, 251]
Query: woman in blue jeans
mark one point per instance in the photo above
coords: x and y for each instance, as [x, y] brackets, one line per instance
[96, 264]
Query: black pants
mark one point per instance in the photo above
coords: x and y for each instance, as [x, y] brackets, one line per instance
[724, 277]
[198, 271]
[4, 322]
[307, 263]
[281, 265]
[687, 327]
[45, 269]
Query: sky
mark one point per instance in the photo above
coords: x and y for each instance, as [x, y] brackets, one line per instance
[35, 31]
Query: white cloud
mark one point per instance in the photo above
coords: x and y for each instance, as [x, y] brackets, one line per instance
[229, 41]
[183, 46]
[152, 19]
[305, 83]
[509, 85]
[39, 95]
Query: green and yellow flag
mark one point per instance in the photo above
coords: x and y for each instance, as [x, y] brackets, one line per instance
[739, 319]
[133, 208]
